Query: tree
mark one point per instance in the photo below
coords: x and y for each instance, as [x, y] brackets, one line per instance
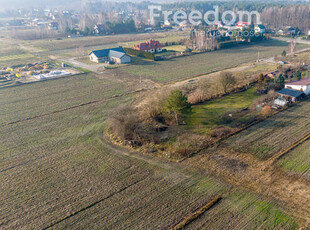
[260, 79]
[284, 53]
[176, 103]
[280, 81]
[297, 75]
[227, 80]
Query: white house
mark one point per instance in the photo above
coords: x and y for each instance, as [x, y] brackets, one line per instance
[116, 55]
[260, 29]
[302, 85]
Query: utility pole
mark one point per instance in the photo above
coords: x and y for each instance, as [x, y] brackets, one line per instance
[293, 44]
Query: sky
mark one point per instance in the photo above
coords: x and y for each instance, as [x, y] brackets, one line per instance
[11, 4]
[69, 4]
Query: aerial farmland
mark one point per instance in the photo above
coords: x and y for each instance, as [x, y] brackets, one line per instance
[190, 132]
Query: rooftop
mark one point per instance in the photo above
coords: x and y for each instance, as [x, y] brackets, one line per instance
[106, 52]
[305, 82]
[291, 93]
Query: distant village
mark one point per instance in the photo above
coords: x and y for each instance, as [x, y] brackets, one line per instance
[53, 23]
[74, 23]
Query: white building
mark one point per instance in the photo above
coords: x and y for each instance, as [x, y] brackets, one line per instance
[116, 55]
[302, 85]
[260, 29]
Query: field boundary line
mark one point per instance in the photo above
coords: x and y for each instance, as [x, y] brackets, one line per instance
[193, 216]
[93, 204]
[280, 154]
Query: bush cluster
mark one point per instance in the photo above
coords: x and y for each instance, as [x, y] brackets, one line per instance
[139, 53]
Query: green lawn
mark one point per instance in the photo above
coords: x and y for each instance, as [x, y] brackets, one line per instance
[206, 116]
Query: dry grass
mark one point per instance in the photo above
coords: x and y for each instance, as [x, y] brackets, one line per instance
[200, 64]
[275, 133]
[61, 171]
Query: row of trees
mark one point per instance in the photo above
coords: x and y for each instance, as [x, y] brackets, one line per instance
[296, 16]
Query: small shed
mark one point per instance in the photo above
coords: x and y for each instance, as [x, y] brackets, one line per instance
[280, 101]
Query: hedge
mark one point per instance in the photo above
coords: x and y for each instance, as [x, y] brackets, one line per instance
[139, 53]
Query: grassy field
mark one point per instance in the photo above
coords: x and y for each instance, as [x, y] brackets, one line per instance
[209, 114]
[16, 56]
[185, 67]
[121, 39]
[59, 171]
[56, 166]
[53, 95]
[242, 210]
[297, 161]
[13, 51]
[275, 133]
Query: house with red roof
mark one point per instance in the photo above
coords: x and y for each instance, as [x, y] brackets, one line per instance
[242, 25]
[151, 46]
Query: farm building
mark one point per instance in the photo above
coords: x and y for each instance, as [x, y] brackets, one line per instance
[290, 95]
[301, 85]
[287, 96]
[151, 46]
[116, 55]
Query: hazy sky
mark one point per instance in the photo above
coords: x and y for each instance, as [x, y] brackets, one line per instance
[5, 4]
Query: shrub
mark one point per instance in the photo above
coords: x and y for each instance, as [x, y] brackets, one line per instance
[220, 132]
[197, 96]
[187, 144]
[229, 44]
[266, 99]
[152, 107]
[124, 122]
[267, 110]
[139, 53]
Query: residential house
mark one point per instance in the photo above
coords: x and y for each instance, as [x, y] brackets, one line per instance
[286, 31]
[280, 32]
[150, 46]
[99, 28]
[53, 26]
[242, 25]
[116, 55]
[260, 28]
[302, 85]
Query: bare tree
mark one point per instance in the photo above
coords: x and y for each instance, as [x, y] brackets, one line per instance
[226, 81]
